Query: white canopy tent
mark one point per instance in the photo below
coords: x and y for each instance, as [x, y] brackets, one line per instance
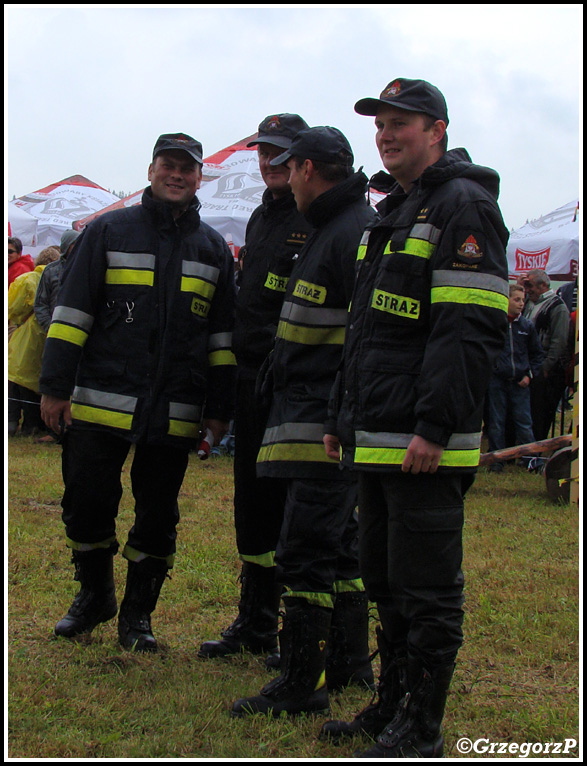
[56, 206]
[22, 225]
[550, 243]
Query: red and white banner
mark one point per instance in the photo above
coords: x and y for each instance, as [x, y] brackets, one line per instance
[550, 243]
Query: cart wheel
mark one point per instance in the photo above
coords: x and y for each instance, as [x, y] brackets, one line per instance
[558, 468]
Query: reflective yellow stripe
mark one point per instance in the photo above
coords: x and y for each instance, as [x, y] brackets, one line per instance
[103, 417]
[67, 333]
[266, 560]
[183, 428]
[293, 451]
[349, 586]
[320, 599]
[218, 358]
[194, 285]
[131, 554]
[389, 456]
[416, 247]
[311, 336]
[468, 295]
[75, 546]
[361, 252]
[129, 277]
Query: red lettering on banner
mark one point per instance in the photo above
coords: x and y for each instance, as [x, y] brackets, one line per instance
[526, 259]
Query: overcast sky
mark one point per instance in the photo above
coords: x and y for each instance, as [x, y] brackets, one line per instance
[88, 88]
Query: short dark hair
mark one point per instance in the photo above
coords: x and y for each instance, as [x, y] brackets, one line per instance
[329, 171]
[428, 123]
[16, 243]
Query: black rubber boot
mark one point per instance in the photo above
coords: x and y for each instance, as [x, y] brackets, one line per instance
[416, 729]
[255, 628]
[96, 600]
[143, 585]
[375, 717]
[348, 660]
[301, 687]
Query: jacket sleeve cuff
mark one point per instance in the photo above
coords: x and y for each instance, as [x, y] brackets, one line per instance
[432, 432]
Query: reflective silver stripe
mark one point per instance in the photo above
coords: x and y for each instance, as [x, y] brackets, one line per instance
[311, 432]
[111, 401]
[389, 440]
[310, 315]
[219, 340]
[179, 411]
[491, 282]
[203, 270]
[427, 232]
[119, 260]
[74, 317]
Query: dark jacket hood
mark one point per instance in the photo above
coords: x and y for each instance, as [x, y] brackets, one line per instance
[455, 163]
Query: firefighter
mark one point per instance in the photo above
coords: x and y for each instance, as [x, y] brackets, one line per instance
[275, 235]
[137, 353]
[316, 556]
[427, 321]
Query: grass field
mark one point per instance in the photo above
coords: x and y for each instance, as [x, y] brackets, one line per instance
[516, 679]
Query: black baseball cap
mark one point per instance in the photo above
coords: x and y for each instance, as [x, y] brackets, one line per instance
[413, 95]
[179, 141]
[323, 144]
[279, 130]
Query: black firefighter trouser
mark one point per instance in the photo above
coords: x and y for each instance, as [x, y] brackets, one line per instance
[258, 502]
[317, 552]
[92, 464]
[410, 541]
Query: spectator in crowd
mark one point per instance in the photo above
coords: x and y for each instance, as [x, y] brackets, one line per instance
[25, 350]
[46, 297]
[17, 262]
[551, 318]
[138, 353]
[508, 395]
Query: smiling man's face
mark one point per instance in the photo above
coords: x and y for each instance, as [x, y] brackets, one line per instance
[175, 178]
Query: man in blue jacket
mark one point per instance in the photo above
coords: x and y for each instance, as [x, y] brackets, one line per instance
[138, 352]
[508, 395]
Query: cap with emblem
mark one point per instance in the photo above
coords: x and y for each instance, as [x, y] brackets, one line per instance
[279, 130]
[413, 95]
[323, 144]
[179, 141]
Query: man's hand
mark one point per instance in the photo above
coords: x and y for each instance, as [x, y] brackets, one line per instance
[55, 412]
[422, 456]
[332, 446]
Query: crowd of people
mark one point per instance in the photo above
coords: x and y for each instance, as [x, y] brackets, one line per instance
[351, 352]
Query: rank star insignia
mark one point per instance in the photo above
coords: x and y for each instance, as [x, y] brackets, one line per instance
[470, 249]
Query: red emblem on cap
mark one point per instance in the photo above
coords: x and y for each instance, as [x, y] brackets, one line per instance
[274, 124]
[392, 90]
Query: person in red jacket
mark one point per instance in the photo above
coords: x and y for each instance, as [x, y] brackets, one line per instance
[17, 262]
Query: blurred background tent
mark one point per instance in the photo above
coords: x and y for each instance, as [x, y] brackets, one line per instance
[550, 243]
[22, 225]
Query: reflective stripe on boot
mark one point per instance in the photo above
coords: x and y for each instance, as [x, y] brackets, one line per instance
[301, 687]
[96, 600]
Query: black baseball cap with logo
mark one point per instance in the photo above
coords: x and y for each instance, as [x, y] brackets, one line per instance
[413, 95]
[323, 144]
[279, 130]
[179, 141]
